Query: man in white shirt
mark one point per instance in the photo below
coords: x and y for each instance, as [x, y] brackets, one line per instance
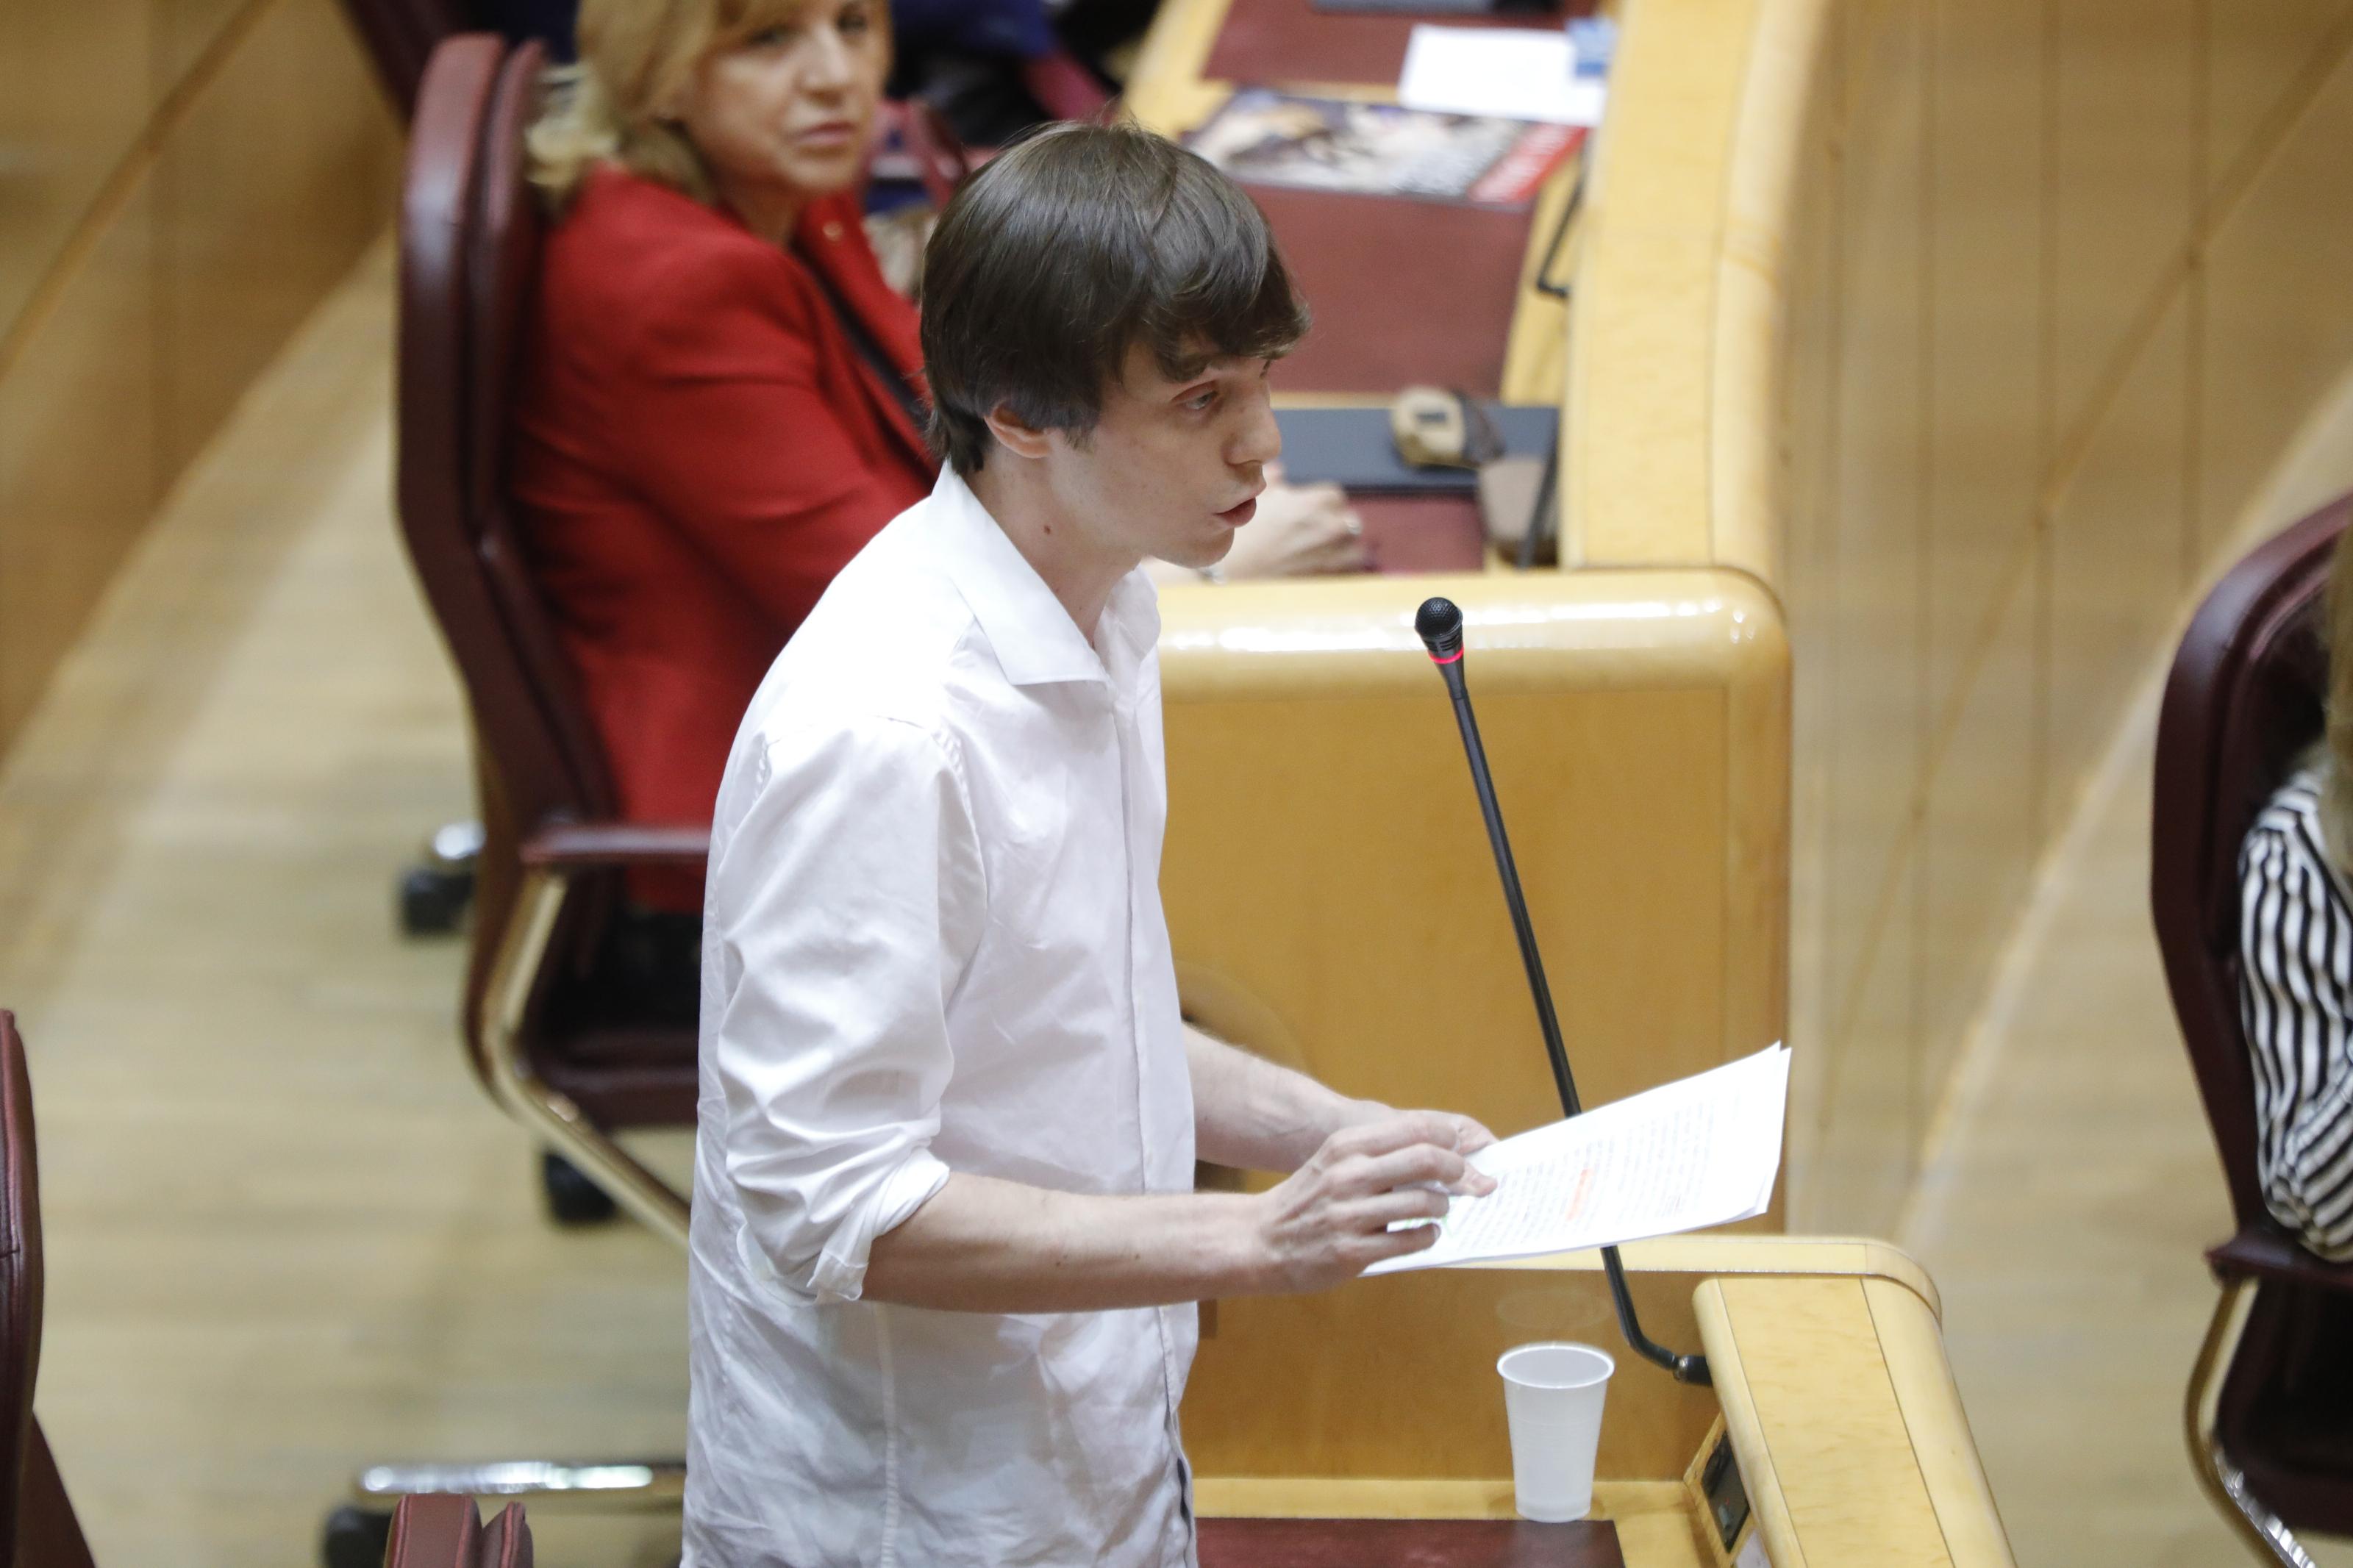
[946, 1244]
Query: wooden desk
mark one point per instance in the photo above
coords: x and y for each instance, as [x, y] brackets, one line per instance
[1832, 1392]
[1326, 877]
[1338, 244]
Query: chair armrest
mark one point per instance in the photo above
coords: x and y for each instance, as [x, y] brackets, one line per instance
[2275, 1255]
[598, 845]
[442, 1530]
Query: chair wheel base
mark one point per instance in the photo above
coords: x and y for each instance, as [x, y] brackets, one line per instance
[354, 1537]
[433, 900]
[572, 1199]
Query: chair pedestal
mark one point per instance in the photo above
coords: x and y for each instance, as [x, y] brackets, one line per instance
[2262, 1529]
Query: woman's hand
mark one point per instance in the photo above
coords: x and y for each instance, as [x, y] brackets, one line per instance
[1300, 530]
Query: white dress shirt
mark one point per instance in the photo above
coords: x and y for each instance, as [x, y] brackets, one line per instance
[933, 941]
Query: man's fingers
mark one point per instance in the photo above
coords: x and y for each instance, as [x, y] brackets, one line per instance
[1397, 1243]
[1391, 1133]
[1386, 1209]
[1416, 1164]
[1473, 1137]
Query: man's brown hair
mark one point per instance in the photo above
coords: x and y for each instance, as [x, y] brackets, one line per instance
[1069, 249]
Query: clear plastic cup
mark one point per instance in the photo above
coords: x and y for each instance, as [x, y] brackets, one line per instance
[1551, 1398]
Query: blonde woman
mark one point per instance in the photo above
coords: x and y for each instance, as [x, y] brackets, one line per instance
[724, 400]
[2296, 938]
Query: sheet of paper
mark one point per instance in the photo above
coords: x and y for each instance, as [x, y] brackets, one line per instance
[1700, 1151]
[1517, 73]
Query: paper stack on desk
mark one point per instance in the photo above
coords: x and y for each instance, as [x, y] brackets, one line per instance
[1700, 1151]
[1518, 73]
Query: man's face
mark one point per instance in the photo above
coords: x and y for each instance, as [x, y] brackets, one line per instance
[1172, 468]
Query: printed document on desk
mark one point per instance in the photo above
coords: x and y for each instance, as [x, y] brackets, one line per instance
[1517, 73]
[1700, 1151]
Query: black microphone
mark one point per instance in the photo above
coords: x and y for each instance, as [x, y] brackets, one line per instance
[1441, 626]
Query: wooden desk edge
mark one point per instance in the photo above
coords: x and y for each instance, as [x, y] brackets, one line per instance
[1617, 630]
[1941, 1506]
[1807, 1257]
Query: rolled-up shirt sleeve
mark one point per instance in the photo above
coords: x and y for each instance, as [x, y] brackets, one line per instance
[847, 902]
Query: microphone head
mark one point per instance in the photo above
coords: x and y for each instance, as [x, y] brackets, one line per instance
[1441, 626]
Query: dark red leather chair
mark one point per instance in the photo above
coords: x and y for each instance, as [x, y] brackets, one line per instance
[2270, 1400]
[553, 1040]
[37, 1525]
[446, 1532]
[555, 1043]
[400, 37]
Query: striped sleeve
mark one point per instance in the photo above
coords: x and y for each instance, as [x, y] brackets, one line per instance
[2295, 936]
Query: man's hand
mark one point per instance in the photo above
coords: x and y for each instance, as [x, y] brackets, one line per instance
[1330, 1221]
[1470, 1134]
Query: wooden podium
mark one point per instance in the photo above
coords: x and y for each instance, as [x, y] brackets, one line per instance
[1833, 1436]
[1332, 906]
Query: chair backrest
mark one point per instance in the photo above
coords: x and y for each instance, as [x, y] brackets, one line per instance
[20, 1277]
[469, 253]
[446, 1532]
[41, 1530]
[2244, 700]
[400, 37]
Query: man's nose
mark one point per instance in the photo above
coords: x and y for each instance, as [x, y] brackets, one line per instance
[1260, 440]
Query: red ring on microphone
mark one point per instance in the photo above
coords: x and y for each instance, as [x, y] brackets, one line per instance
[1454, 657]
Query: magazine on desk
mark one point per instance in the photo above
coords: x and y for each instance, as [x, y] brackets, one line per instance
[1268, 138]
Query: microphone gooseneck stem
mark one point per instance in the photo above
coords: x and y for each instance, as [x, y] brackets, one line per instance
[1522, 927]
[1690, 1369]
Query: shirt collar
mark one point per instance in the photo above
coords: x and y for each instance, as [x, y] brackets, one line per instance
[1033, 636]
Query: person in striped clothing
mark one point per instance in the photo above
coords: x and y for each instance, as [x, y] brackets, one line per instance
[2295, 974]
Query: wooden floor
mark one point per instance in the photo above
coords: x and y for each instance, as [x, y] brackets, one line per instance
[2065, 1211]
[286, 1232]
[288, 1236]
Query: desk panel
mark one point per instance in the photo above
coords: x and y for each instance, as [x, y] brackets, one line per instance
[1411, 534]
[1290, 40]
[1831, 1390]
[1405, 292]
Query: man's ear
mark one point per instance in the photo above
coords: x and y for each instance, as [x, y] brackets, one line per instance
[1016, 436]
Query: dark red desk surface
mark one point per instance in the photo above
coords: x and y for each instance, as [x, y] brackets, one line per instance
[1272, 42]
[1406, 1543]
[1405, 293]
[1422, 533]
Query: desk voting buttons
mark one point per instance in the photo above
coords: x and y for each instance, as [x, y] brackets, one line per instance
[1553, 1392]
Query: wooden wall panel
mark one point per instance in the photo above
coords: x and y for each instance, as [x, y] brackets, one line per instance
[1808, 580]
[1879, 474]
[2278, 307]
[1985, 328]
[2116, 582]
[75, 93]
[77, 474]
[2049, 288]
[1981, 821]
[188, 178]
[185, 30]
[278, 177]
[1862, 1166]
[2255, 50]
[2084, 264]
[2125, 96]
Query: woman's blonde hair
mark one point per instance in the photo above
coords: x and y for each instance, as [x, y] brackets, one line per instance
[635, 59]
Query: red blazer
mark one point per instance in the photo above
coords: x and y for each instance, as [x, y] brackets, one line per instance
[699, 448]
